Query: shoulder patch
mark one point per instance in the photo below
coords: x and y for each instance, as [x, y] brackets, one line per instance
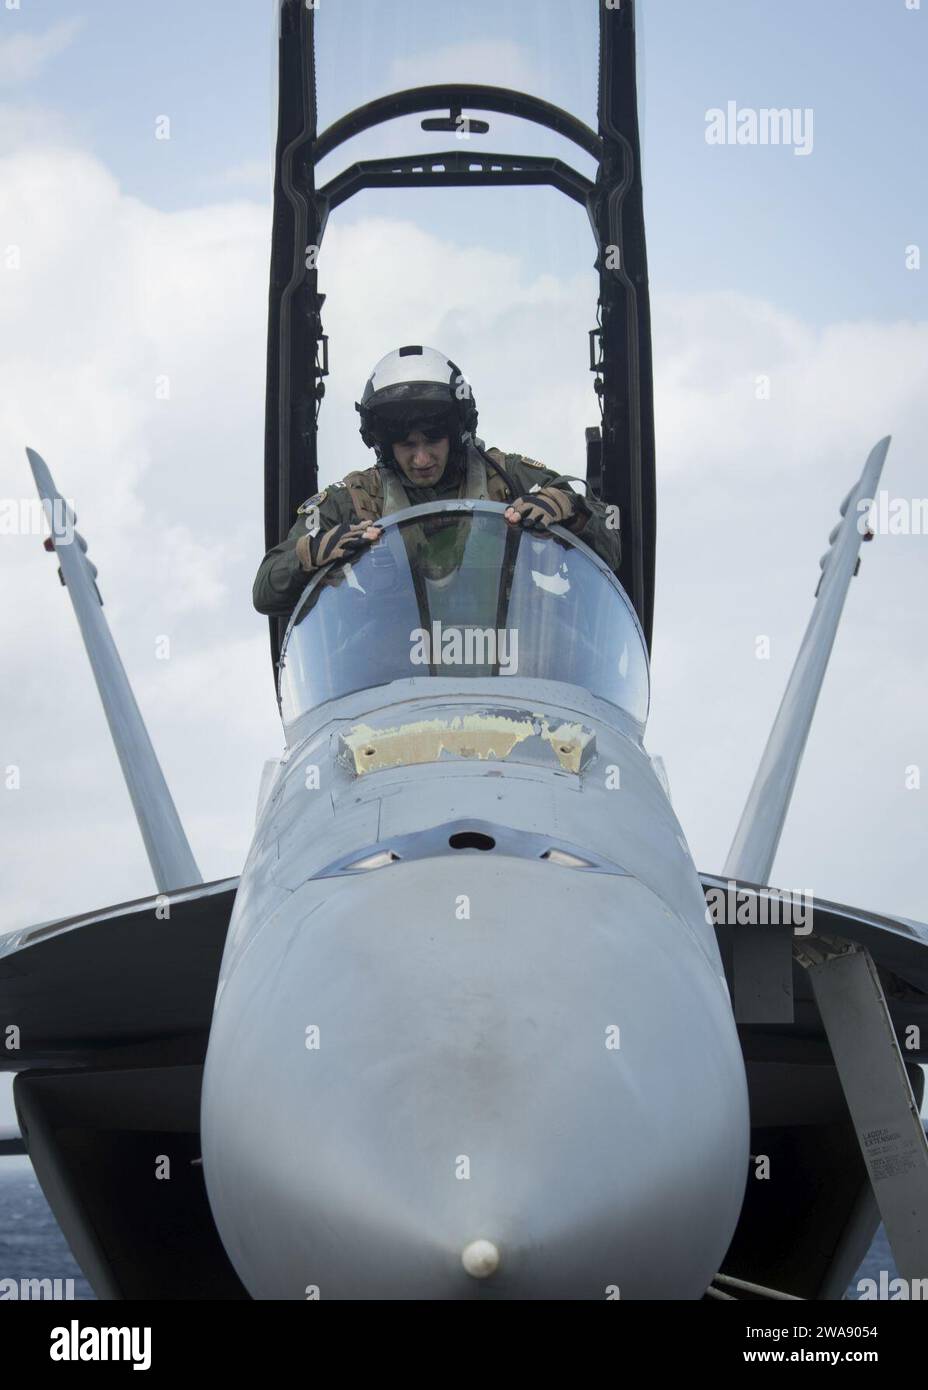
[366, 479]
[312, 502]
[532, 463]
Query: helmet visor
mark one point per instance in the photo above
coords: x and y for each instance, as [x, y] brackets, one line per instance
[393, 421]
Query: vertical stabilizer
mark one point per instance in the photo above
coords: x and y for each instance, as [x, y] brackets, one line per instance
[169, 852]
[755, 844]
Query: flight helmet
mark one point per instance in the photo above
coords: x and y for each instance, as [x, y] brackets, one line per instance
[415, 388]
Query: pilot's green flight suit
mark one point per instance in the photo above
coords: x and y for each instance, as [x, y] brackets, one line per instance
[281, 577]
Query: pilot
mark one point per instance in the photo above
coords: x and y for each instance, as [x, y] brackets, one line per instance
[419, 416]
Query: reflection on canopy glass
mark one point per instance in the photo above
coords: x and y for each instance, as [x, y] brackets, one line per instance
[464, 594]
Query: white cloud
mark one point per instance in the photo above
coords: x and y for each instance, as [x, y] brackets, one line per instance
[829, 389]
[103, 309]
[24, 56]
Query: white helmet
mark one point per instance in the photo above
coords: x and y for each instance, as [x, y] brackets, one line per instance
[412, 385]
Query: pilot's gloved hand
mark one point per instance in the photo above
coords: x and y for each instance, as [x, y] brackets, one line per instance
[549, 506]
[340, 542]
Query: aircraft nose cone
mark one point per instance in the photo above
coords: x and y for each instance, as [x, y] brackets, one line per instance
[480, 1258]
[495, 1079]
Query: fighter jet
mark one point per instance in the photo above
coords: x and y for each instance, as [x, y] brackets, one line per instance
[470, 1024]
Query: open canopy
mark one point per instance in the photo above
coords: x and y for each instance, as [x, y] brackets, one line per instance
[620, 446]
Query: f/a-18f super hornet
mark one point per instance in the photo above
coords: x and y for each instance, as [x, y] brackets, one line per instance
[470, 1024]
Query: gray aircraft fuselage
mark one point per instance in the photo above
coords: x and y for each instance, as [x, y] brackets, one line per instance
[470, 994]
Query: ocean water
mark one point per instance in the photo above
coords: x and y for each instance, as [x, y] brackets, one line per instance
[31, 1243]
[32, 1246]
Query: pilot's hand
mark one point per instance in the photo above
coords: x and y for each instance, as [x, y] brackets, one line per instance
[340, 542]
[536, 511]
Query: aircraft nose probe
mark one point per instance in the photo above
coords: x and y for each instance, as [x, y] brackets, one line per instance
[480, 1258]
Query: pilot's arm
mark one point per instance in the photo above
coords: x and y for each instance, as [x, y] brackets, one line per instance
[325, 529]
[587, 517]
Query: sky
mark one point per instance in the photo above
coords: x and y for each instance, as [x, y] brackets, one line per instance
[127, 259]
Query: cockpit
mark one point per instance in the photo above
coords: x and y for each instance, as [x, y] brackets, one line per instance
[452, 589]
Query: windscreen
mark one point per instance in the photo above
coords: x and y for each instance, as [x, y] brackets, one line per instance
[464, 594]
